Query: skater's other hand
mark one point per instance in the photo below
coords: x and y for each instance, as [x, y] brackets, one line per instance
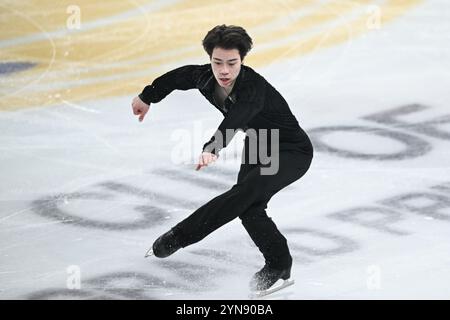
[205, 159]
[140, 108]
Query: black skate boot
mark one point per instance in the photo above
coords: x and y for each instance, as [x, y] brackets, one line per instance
[267, 276]
[166, 245]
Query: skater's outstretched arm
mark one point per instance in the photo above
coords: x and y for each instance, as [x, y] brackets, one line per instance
[182, 78]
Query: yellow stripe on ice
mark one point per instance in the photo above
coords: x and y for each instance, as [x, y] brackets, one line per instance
[121, 58]
[22, 16]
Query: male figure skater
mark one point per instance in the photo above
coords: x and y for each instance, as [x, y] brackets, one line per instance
[247, 101]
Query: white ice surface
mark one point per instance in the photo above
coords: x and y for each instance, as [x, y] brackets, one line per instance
[105, 172]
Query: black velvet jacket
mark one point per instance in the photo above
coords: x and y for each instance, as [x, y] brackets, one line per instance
[253, 103]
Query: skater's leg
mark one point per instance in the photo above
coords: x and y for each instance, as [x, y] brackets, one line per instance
[262, 229]
[253, 188]
[173, 240]
[218, 211]
[266, 236]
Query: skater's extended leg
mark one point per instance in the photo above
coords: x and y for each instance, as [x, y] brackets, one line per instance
[220, 210]
[254, 187]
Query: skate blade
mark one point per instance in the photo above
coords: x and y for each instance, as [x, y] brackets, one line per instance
[149, 253]
[263, 293]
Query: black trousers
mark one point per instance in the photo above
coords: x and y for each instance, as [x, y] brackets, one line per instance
[248, 200]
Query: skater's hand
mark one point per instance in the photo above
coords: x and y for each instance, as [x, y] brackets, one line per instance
[205, 159]
[140, 108]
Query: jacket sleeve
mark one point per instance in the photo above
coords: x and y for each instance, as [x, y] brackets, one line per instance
[182, 78]
[249, 103]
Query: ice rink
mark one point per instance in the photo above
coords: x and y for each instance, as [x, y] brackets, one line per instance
[86, 189]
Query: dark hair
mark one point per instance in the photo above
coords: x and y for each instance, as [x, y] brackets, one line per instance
[228, 37]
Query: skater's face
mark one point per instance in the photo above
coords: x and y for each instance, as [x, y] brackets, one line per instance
[226, 64]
